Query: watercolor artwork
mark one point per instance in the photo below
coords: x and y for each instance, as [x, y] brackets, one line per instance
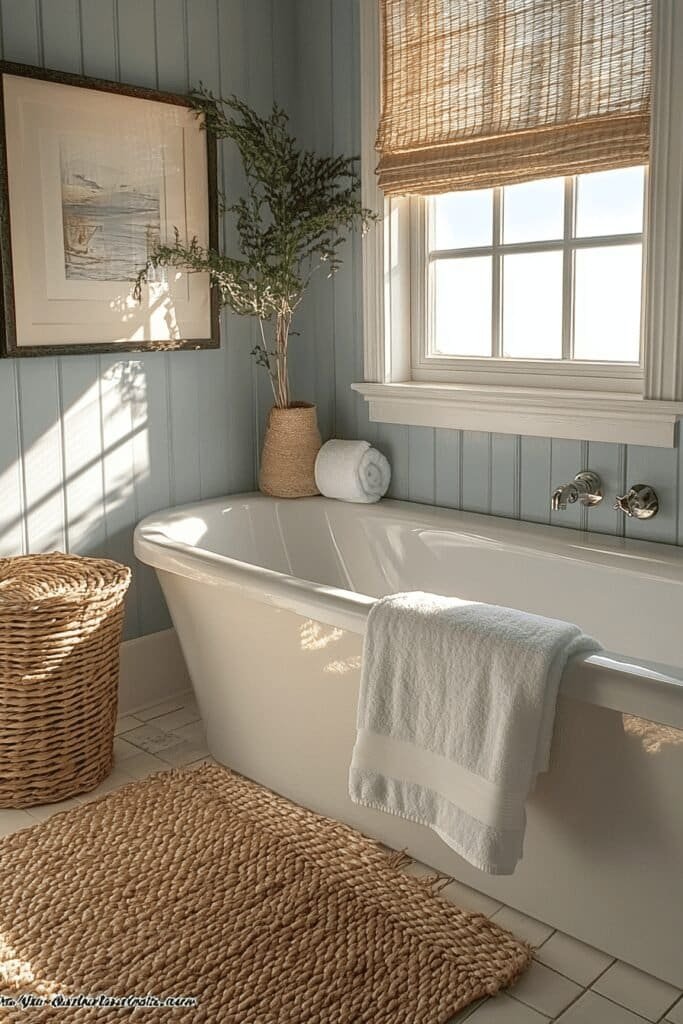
[111, 210]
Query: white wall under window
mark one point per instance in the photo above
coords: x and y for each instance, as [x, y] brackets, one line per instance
[549, 308]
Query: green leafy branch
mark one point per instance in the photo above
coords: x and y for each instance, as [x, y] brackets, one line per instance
[298, 210]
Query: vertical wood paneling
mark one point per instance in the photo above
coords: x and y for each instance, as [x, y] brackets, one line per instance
[20, 31]
[284, 89]
[81, 502]
[609, 462]
[318, 63]
[567, 458]
[98, 38]
[345, 123]
[392, 440]
[117, 381]
[61, 34]
[125, 424]
[41, 434]
[170, 20]
[448, 468]
[204, 66]
[13, 538]
[659, 467]
[83, 478]
[505, 475]
[90, 444]
[476, 471]
[151, 480]
[181, 369]
[421, 464]
[12, 522]
[146, 391]
[535, 486]
[312, 119]
[258, 89]
[136, 42]
[240, 443]
[38, 380]
[84, 42]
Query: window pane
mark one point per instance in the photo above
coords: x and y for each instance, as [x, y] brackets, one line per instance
[533, 211]
[610, 202]
[607, 303]
[532, 305]
[462, 306]
[462, 219]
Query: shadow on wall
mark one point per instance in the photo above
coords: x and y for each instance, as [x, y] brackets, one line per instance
[89, 504]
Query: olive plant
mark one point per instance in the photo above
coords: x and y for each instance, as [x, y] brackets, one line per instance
[297, 211]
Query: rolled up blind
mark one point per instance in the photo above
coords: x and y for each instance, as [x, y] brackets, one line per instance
[481, 93]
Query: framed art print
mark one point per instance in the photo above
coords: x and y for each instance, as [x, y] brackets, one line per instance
[93, 175]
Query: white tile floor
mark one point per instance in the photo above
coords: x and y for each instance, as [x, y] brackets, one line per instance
[569, 982]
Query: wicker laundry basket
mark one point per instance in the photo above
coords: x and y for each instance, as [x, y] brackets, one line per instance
[60, 628]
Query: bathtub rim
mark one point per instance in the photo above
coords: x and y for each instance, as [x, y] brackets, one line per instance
[645, 689]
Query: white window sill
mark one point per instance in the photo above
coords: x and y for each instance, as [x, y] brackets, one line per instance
[538, 412]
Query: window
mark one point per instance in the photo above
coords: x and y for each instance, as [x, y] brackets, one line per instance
[552, 306]
[543, 270]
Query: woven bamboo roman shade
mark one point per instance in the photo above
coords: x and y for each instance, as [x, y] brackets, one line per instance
[480, 93]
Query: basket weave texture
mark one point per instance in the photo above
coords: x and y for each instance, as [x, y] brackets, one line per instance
[60, 627]
[200, 883]
[290, 447]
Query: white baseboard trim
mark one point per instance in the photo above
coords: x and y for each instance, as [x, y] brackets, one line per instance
[152, 669]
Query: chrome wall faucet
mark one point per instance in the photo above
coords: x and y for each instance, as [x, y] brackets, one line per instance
[639, 502]
[586, 487]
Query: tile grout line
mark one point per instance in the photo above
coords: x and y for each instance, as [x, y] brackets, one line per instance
[622, 1005]
[588, 988]
[559, 974]
[557, 971]
[630, 1009]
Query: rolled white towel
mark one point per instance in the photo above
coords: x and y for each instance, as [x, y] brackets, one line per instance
[352, 471]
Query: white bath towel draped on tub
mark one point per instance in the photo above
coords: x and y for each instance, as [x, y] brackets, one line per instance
[455, 718]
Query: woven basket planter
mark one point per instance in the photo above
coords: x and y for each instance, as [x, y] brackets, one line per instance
[60, 628]
[290, 446]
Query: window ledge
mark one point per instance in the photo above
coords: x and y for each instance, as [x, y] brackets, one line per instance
[538, 412]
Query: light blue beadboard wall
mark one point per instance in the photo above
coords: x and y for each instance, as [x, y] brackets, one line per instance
[90, 444]
[498, 474]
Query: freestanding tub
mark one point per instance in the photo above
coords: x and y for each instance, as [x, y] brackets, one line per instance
[270, 598]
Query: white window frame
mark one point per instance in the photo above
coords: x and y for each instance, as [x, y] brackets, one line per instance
[617, 402]
[567, 373]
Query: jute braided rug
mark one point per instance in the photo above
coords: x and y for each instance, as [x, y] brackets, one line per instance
[198, 883]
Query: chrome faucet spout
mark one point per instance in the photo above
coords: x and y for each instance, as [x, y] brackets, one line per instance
[563, 496]
[585, 487]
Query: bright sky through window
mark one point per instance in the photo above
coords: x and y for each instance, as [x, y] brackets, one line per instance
[543, 270]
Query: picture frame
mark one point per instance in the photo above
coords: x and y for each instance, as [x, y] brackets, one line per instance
[93, 174]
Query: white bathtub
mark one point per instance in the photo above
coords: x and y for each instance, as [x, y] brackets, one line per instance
[270, 598]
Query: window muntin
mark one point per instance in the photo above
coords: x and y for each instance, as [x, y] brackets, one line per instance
[547, 270]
